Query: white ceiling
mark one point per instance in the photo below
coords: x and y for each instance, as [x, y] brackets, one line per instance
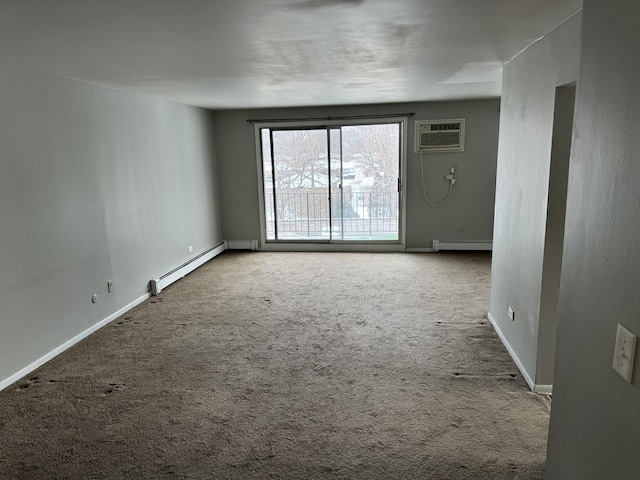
[266, 53]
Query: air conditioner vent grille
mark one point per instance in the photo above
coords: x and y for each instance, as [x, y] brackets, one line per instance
[439, 135]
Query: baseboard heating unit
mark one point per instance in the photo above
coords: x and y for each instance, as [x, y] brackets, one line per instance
[242, 245]
[158, 284]
[480, 246]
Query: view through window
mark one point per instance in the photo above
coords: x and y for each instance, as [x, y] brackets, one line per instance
[332, 183]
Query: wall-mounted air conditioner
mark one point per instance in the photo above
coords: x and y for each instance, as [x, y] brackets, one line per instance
[439, 135]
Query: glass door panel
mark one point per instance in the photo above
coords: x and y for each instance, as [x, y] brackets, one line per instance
[268, 185]
[332, 183]
[337, 220]
[369, 179]
[300, 193]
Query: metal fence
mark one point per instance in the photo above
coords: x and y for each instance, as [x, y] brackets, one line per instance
[371, 215]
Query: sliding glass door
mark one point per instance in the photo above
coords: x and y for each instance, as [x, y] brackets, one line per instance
[335, 183]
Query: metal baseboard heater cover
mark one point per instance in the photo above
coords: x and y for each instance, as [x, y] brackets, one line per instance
[480, 246]
[242, 245]
[158, 284]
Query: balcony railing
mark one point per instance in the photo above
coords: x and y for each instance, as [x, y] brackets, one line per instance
[357, 215]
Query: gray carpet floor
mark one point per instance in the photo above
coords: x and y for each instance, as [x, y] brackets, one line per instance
[287, 365]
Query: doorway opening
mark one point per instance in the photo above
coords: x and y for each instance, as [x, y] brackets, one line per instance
[331, 183]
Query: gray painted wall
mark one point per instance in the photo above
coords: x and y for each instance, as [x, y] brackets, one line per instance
[595, 418]
[96, 185]
[467, 216]
[524, 158]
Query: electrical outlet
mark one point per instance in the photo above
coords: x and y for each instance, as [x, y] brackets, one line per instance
[190, 248]
[624, 352]
[109, 287]
[512, 315]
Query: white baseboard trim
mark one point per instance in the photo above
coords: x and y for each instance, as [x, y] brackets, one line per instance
[70, 343]
[470, 246]
[543, 389]
[419, 250]
[160, 283]
[512, 352]
[243, 245]
[163, 281]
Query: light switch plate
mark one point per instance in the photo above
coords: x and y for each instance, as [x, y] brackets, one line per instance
[624, 353]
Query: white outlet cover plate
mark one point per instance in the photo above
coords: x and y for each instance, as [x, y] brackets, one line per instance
[510, 313]
[624, 353]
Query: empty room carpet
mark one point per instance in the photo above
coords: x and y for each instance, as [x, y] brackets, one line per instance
[292, 366]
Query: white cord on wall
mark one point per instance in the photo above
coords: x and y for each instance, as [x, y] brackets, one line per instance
[424, 189]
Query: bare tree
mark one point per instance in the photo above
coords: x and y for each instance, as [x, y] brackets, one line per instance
[375, 148]
[301, 158]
